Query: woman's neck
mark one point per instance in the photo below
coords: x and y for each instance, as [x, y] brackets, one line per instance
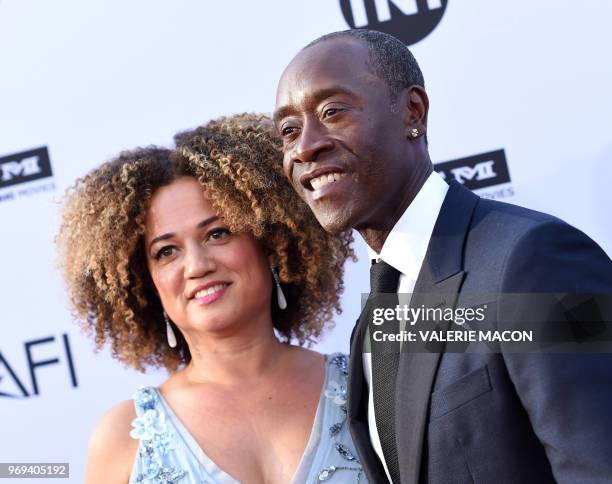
[234, 360]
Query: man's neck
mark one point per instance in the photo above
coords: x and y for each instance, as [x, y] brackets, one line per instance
[388, 216]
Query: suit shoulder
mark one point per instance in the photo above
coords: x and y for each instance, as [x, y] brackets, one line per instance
[526, 250]
[514, 215]
[506, 225]
[547, 254]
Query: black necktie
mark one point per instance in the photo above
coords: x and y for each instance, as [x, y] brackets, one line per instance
[385, 359]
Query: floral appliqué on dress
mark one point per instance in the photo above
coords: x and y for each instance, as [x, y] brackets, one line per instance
[336, 391]
[155, 440]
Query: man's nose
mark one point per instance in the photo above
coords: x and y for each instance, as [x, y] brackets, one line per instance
[198, 261]
[313, 141]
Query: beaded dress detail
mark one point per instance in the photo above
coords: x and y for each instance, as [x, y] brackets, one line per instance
[168, 454]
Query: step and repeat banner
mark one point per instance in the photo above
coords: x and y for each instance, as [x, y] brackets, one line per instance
[520, 112]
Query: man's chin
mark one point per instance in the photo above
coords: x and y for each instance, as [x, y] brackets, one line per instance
[334, 223]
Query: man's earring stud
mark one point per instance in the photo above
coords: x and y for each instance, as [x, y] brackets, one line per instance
[414, 132]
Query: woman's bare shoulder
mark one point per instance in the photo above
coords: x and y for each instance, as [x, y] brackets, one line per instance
[308, 358]
[112, 451]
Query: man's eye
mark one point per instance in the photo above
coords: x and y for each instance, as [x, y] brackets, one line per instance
[218, 233]
[165, 251]
[330, 112]
[287, 131]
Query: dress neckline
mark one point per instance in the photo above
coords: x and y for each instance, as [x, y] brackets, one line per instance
[214, 470]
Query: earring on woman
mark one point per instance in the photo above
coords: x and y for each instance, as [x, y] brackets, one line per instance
[170, 336]
[280, 296]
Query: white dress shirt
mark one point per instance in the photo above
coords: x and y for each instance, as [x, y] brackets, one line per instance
[405, 249]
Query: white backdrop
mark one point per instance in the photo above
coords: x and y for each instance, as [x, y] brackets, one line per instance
[87, 79]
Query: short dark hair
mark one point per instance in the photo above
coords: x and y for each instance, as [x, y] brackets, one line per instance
[390, 59]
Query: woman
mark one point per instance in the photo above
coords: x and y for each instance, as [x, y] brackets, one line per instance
[204, 261]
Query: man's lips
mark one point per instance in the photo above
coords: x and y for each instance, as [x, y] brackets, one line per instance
[319, 177]
[331, 188]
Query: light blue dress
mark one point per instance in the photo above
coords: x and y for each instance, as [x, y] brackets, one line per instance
[168, 454]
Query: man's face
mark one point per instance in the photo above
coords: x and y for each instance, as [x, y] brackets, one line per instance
[344, 141]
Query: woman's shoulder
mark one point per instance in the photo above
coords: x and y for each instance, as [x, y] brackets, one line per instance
[114, 426]
[335, 364]
[111, 450]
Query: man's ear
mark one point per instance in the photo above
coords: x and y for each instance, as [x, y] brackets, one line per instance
[415, 104]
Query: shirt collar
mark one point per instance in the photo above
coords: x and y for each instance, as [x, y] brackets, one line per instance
[406, 244]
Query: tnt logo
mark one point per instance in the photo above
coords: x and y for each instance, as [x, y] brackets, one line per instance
[24, 167]
[478, 171]
[408, 20]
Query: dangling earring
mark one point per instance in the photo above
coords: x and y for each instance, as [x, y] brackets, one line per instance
[280, 297]
[414, 132]
[170, 336]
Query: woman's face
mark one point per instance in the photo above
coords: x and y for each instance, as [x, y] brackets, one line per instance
[208, 279]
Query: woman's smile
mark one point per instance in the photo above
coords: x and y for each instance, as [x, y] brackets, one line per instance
[211, 292]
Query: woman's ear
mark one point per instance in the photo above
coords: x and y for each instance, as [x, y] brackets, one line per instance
[272, 260]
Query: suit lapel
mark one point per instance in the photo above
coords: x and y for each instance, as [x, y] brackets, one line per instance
[357, 410]
[438, 284]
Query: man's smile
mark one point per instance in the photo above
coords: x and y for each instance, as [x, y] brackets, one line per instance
[314, 179]
[331, 185]
[323, 180]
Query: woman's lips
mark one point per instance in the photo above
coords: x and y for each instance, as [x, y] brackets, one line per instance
[210, 294]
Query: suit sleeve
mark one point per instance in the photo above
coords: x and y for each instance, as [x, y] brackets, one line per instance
[568, 397]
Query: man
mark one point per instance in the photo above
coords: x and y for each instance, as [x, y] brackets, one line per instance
[352, 111]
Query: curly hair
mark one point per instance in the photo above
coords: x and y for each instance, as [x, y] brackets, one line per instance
[238, 162]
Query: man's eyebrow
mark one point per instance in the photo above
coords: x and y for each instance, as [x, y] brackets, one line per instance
[169, 235]
[317, 97]
[281, 113]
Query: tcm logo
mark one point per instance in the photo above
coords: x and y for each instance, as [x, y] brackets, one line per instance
[478, 171]
[24, 167]
[408, 20]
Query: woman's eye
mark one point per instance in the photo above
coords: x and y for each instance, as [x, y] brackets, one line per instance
[218, 233]
[166, 251]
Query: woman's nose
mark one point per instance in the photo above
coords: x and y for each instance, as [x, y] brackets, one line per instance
[198, 261]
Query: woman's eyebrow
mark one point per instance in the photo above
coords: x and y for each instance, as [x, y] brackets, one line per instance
[169, 235]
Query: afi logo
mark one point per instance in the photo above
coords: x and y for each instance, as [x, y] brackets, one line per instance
[25, 166]
[478, 171]
[10, 378]
[408, 20]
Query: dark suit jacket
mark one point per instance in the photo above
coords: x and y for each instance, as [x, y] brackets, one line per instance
[497, 417]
